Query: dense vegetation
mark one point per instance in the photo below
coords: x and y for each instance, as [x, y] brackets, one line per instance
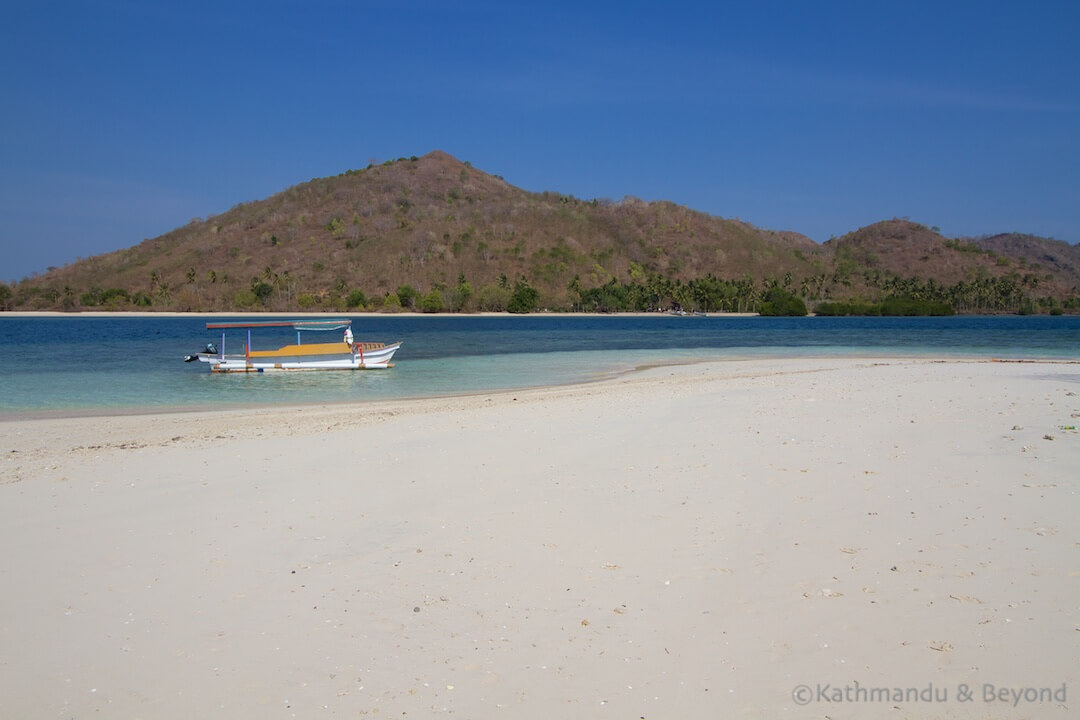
[780, 302]
[433, 234]
[891, 305]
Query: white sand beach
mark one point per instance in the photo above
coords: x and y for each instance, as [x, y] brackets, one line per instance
[700, 541]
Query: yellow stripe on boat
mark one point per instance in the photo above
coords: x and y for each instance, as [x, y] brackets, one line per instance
[335, 348]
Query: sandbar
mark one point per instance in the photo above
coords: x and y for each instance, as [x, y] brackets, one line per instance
[803, 538]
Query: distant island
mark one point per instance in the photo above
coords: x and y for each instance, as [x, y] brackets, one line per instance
[434, 234]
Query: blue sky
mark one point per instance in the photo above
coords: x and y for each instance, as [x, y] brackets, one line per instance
[123, 119]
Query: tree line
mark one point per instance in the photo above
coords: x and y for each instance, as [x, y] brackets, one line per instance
[642, 292]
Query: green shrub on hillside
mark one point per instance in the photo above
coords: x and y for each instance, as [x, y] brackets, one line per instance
[892, 306]
[524, 298]
[492, 298]
[432, 302]
[391, 303]
[780, 302]
[407, 296]
[356, 299]
[245, 299]
[262, 291]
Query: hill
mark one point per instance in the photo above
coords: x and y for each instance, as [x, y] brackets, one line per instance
[1002, 273]
[453, 237]
[1037, 254]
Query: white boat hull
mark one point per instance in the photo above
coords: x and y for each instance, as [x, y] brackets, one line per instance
[360, 358]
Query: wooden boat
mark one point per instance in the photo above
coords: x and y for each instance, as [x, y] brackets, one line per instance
[342, 355]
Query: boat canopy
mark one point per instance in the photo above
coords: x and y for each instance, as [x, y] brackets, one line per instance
[294, 324]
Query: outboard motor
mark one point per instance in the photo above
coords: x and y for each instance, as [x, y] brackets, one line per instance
[210, 349]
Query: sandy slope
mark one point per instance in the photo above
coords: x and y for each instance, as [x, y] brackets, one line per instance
[690, 542]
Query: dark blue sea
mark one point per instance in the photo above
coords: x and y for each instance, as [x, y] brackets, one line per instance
[77, 364]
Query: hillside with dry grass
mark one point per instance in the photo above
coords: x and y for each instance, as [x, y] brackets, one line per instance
[436, 233]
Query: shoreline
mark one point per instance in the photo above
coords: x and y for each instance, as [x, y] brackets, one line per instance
[260, 419]
[150, 410]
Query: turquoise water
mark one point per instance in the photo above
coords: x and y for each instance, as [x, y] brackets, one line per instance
[87, 364]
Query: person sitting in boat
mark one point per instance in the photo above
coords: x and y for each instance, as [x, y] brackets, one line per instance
[348, 336]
